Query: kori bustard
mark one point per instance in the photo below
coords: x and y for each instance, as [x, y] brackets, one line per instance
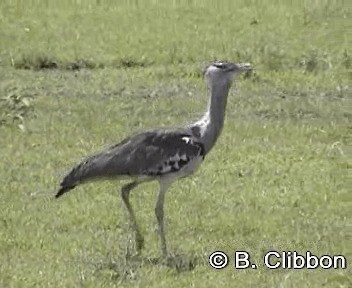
[161, 155]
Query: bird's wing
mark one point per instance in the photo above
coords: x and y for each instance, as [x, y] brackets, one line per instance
[152, 153]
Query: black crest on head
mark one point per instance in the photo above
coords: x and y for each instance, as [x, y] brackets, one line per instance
[220, 64]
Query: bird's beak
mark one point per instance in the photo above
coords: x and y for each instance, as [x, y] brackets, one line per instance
[242, 67]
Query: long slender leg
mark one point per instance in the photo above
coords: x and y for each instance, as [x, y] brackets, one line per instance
[159, 212]
[125, 192]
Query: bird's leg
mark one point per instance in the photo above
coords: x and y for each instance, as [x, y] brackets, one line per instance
[159, 212]
[125, 192]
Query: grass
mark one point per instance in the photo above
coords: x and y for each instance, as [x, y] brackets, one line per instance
[77, 77]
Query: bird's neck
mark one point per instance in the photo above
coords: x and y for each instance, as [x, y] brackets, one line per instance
[212, 122]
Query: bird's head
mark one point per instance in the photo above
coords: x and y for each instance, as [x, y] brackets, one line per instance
[224, 72]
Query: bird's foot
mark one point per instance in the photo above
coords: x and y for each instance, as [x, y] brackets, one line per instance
[179, 262]
[134, 245]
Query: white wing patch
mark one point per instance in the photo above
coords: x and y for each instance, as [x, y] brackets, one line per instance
[187, 139]
[183, 157]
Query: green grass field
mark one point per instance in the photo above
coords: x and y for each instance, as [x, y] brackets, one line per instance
[78, 76]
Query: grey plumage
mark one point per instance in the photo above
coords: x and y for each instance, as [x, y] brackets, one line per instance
[162, 155]
[149, 154]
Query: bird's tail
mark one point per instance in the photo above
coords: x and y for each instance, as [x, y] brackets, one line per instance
[71, 180]
[63, 189]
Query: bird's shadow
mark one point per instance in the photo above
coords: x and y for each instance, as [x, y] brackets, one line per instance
[177, 262]
[127, 267]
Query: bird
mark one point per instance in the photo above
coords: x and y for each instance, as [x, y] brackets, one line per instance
[162, 155]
